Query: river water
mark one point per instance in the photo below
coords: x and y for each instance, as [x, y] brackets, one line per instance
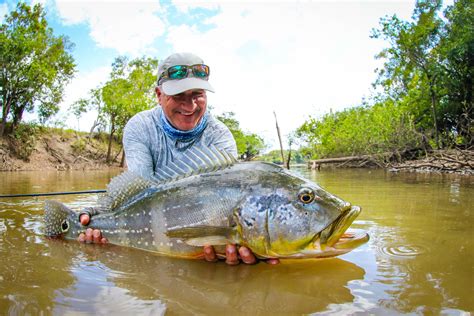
[419, 259]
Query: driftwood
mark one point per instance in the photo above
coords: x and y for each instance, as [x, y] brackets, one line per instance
[449, 161]
[378, 160]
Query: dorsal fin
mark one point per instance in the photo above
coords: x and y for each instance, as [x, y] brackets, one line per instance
[127, 185]
[196, 161]
[123, 187]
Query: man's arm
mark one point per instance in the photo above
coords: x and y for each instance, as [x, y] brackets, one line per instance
[137, 149]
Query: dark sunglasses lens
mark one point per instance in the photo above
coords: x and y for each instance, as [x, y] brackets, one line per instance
[177, 72]
[201, 71]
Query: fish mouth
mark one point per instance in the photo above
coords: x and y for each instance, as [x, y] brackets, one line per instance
[330, 236]
[337, 239]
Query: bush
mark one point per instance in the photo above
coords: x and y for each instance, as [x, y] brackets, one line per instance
[383, 127]
[23, 140]
[79, 145]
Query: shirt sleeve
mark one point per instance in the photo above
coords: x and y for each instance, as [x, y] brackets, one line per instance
[224, 140]
[136, 147]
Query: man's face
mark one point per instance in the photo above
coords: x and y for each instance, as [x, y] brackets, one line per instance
[184, 110]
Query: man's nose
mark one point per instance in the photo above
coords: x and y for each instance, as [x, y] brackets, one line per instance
[187, 100]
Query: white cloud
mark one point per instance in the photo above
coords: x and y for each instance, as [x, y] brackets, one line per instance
[79, 88]
[299, 58]
[126, 26]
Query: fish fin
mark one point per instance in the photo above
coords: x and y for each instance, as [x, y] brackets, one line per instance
[196, 161]
[122, 188]
[208, 240]
[201, 235]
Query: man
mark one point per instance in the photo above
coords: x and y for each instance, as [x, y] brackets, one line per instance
[154, 137]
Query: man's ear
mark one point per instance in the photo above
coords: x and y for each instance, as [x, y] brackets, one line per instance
[159, 94]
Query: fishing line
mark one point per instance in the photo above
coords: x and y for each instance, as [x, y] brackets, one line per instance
[51, 193]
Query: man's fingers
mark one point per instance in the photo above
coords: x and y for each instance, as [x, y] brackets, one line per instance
[210, 254]
[81, 238]
[96, 236]
[273, 261]
[231, 257]
[84, 219]
[247, 256]
[89, 237]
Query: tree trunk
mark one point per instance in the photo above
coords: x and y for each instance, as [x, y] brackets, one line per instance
[96, 123]
[6, 110]
[17, 116]
[433, 109]
[122, 161]
[279, 138]
[288, 160]
[109, 150]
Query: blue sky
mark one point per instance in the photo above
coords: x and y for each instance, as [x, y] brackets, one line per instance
[298, 58]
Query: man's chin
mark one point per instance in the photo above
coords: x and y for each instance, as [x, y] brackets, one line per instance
[186, 124]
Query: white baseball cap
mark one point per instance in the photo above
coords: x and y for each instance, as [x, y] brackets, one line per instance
[190, 81]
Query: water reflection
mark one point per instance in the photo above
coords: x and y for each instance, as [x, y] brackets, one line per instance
[146, 281]
[30, 272]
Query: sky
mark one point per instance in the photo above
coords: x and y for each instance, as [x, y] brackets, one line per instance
[299, 59]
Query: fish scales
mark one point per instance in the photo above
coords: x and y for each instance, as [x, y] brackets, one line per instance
[276, 213]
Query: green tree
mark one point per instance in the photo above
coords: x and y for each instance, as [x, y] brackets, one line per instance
[249, 145]
[413, 58]
[92, 103]
[457, 50]
[383, 127]
[129, 91]
[36, 65]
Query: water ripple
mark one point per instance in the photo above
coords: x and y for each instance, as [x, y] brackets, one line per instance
[402, 251]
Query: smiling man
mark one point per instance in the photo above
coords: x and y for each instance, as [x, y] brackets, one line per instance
[155, 137]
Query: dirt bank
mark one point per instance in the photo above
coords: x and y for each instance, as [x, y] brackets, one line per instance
[64, 150]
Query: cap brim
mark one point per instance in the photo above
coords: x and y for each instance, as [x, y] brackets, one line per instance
[172, 87]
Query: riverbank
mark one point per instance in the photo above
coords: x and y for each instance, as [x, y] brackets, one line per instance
[57, 150]
[451, 161]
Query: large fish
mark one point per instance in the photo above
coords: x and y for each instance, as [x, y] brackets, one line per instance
[210, 199]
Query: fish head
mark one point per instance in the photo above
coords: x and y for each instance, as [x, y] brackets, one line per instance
[59, 220]
[287, 216]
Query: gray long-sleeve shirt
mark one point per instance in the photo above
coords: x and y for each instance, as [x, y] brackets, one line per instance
[147, 147]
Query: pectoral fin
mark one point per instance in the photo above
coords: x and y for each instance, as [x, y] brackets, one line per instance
[204, 235]
[208, 240]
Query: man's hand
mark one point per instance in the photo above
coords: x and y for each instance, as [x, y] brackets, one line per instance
[232, 258]
[90, 236]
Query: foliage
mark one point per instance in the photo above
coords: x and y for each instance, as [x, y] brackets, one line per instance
[457, 49]
[36, 65]
[79, 145]
[128, 91]
[429, 65]
[427, 84]
[249, 145]
[274, 156]
[23, 140]
[384, 127]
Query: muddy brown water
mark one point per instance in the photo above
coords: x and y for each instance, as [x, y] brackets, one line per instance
[419, 259]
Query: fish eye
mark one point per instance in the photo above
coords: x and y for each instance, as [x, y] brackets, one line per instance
[64, 226]
[306, 195]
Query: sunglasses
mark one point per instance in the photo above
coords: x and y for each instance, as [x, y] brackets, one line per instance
[181, 71]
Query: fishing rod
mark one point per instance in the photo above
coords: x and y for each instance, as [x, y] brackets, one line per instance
[51, 193]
